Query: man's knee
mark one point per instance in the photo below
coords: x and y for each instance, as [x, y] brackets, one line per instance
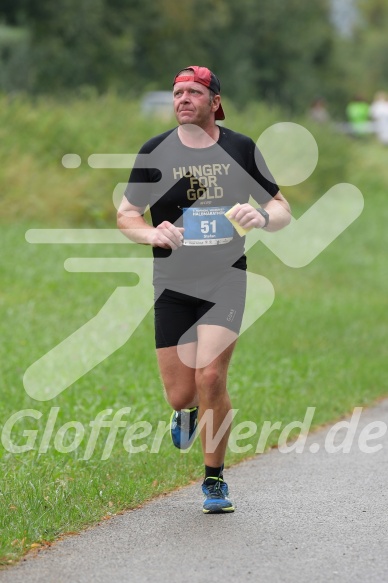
[178, 395]
[210, 382]
[177, 401]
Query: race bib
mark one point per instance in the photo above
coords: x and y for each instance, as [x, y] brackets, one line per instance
[206, 226]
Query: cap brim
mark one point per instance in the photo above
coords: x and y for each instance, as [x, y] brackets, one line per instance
[220, 113]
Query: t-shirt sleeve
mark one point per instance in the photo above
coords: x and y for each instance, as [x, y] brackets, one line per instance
[135, 191]
[142, 184]
[261, 173]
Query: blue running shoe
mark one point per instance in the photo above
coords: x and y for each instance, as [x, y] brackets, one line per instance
[216, 496]
[183, 425]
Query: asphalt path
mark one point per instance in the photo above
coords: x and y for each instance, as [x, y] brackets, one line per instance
[314, 516]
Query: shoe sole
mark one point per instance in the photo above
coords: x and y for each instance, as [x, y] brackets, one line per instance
[218, 510]
[222, 511]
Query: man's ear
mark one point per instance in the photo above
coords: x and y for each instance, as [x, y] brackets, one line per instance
[216, 103]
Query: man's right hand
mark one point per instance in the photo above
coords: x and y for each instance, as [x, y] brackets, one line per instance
[167, 236]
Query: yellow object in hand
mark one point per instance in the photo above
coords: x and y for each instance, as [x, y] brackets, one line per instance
[240, 230]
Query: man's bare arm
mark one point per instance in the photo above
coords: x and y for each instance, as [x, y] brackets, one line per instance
[279, 212]
[131, 222]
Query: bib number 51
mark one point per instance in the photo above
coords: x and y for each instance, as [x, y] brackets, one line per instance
[208, 226]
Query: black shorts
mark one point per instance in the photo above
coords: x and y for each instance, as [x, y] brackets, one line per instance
[182, 306]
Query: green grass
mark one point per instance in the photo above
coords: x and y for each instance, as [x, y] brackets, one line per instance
[321, 344]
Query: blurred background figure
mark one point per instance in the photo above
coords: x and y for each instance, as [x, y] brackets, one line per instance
[357, 113]
[318, 111]
[379, 115]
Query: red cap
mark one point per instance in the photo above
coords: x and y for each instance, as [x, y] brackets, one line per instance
[205, 77]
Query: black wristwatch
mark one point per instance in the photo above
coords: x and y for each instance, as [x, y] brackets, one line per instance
[265, 215]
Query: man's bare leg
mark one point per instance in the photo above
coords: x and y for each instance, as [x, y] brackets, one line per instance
[204, 385]
[211, 380]
[180, 392]
[178, 378]
[186, 386]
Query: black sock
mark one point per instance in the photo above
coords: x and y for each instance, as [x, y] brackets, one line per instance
[214, 473]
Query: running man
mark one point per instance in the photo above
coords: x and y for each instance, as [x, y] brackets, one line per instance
[193, 175]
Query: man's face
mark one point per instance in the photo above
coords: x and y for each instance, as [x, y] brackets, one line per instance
[192, 103]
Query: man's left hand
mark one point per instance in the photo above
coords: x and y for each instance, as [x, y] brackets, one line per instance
[248, 217]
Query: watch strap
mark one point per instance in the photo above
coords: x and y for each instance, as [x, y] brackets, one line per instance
[265, 215]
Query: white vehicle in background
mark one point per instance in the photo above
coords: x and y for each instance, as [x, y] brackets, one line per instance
[158, 103]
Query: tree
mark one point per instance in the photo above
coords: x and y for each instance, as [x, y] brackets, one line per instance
[274, 50]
